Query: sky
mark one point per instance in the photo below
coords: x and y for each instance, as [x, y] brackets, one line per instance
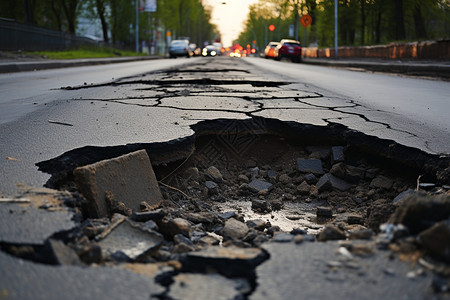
[229, 17]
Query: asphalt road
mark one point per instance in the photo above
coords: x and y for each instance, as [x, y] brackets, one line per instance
[39, 121]
[417, 106]
[23, 91]
[145, 104]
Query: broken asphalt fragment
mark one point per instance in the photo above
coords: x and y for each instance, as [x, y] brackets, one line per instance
[39, 218]
[128, 179]
[228, 261]
[257, 185]
[130, 241]
[337, 154]
[329, 181]
[310, 166]
[26, 280]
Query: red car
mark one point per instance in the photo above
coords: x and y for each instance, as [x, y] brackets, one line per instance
[290, 49]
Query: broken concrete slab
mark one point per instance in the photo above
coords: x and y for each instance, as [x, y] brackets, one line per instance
[62, 254]
[26, 280]
[337, 154]
[131, 240]
[128, 179]
[329, 181]
[313, 166]
[257, 185]
[295, 266]
[228, 261]
[207, 286]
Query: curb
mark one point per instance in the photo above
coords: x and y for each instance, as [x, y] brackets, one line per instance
[12, 67]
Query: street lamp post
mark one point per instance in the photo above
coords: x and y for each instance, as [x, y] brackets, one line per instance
[335, 29]
[137, 25]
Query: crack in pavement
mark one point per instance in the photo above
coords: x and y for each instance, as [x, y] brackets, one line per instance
[194, 81]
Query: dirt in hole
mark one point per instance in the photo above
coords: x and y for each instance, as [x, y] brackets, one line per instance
[258, 176]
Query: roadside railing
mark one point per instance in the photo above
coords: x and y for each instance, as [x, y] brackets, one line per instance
[15, 36]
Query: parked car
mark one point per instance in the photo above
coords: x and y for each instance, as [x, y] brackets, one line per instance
[290, 49]
[179, 48]
[269, 51]
[210, 50]
[196, 51]
[218, 47]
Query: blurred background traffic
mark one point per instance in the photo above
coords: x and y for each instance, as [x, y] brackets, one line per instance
[219, 27]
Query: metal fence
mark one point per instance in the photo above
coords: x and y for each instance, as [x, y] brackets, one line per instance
[15, 36]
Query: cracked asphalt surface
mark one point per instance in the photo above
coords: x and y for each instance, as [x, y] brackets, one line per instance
[161, 105]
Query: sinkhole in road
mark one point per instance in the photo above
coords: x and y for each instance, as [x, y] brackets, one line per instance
[285, 175]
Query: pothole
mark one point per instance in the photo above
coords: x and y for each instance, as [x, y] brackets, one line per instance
[288, 175]
[208, 203]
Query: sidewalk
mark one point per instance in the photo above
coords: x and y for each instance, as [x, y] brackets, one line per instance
[437, 68]
[10, 65]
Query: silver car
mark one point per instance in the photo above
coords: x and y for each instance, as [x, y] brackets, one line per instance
[179, 48]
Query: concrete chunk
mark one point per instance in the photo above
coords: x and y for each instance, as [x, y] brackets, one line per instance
[329, 181]
[128, 179]
[257, 185]
[228, 261]
[310, 166]
[337, 153]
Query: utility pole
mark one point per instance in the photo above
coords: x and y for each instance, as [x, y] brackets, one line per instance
[335, 29]
[296, 20]
[137, 26]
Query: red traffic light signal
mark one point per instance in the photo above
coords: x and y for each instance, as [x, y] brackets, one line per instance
[271, 27]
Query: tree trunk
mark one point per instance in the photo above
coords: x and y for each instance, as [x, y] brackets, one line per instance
[378, 29]
[57, 13]
[114, 21]
[70, 8]
[363, 21]
[419, 24]
[29, 6]
[101, 13]
[400, 33]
